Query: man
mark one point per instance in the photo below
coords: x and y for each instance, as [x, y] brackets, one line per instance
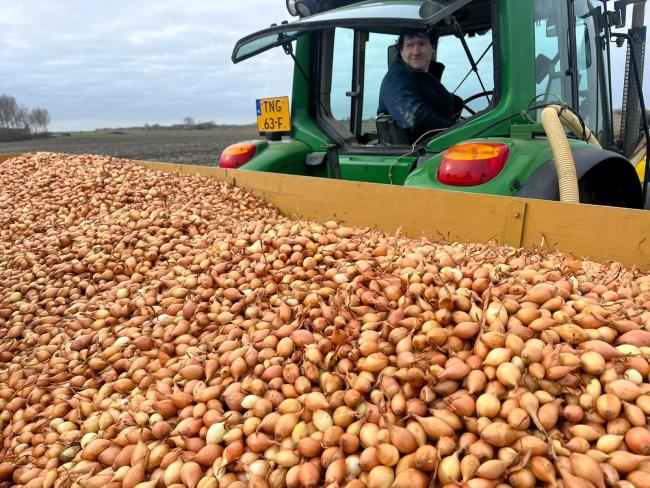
[416, 99]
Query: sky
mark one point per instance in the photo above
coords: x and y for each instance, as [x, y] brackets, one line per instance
[123, 63]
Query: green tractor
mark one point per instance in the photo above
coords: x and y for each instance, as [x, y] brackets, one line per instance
[508, 60]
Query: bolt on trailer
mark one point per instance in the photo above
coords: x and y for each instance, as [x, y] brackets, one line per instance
[508, 61]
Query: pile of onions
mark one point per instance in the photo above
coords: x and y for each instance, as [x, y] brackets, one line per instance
[163, 330]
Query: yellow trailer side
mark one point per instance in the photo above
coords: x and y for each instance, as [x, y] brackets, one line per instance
[585, 231]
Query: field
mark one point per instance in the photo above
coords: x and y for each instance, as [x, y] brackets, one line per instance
[201, 147]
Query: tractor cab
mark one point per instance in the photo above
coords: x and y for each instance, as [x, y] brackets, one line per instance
[352, 48]
[503, 60]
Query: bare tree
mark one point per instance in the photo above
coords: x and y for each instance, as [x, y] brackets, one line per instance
[22, 118]
[8, 111]
[39, 118]
[188, 121]
[33, 121]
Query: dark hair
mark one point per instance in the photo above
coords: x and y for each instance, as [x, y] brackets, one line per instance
[411, 32]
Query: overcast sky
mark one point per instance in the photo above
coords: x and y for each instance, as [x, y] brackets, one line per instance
[122, 63]
[129, 62]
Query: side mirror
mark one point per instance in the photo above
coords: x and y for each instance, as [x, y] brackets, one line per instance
[544, 66]
[551, 28]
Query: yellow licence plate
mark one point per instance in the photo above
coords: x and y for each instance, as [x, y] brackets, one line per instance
[273, 115]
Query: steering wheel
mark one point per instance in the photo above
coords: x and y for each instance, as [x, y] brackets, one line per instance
[475, 97]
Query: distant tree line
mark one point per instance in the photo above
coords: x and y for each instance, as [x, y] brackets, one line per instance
[18, 122]
[188, 124]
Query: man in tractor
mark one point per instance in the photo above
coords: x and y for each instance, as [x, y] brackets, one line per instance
[412, 93]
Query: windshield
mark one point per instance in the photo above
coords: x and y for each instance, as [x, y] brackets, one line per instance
[412, 13]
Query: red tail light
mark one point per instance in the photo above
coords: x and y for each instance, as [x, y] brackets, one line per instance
[237, 155]
[472, 163]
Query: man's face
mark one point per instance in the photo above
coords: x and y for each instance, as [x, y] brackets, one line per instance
[417, 52]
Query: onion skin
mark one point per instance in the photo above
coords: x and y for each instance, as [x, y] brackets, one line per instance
[543, 470]
[586, 468]
[635, 338]
[411, 478]
[624, 461]
[499, 434]
[638, 440]
[309, 475]
[426, 458]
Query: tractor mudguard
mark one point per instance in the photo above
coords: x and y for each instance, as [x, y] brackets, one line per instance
[604, 178]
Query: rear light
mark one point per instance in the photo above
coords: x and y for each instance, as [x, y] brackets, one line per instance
[472, 163]
[237, 155]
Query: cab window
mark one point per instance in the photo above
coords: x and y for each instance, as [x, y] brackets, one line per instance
[458, 78]
[551, 52]
[553, 61]
[342, 75]
[590, 60]
[376, 63]
[353, 63]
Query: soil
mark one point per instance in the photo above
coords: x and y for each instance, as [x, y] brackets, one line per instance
[201, 147]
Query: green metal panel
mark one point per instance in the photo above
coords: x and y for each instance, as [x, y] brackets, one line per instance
[391, 170]
[287, 157]
[526, 157]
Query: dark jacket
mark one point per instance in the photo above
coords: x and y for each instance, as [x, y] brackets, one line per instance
[417, 100]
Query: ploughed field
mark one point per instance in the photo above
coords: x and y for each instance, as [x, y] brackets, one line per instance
[201, 147]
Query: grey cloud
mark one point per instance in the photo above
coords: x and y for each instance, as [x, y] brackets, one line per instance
[98, 64]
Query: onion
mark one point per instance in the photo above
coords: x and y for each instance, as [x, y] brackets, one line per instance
[387, 454]
[487, 405]
[402, 439]
[624, 461]
[574, 481]
[608, 406]
[468, 466]
[543, 470]
[623, 389]
[609, 443]
[435, 427]
[426, 458]
[411, 478]
[309, 475]
[449, 469]
[499, 434]
[380, 477]
[588, 469]
[638, 440]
